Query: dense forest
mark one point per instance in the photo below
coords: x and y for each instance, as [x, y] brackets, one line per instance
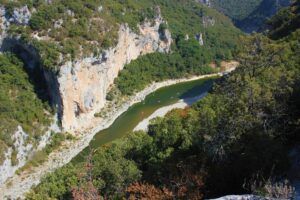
[235, 140]
[187, 57]
[236, 9]
[250, 15]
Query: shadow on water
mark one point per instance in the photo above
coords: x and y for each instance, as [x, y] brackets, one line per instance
[189, 96]
[126, 122]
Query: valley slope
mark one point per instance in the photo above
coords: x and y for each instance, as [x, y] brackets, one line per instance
[70, 52]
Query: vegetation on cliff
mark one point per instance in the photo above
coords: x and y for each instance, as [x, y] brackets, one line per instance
[235, 140]
[236, 9]
[19, 104]
[185, 20]
[70, 30]
[189, 59]
[77, 29]
[249, 15]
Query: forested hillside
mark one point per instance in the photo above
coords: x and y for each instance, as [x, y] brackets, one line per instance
[68, 30]
[250, 15]
[236, 9]
[235, 140]
[61, 31]
[186, 20]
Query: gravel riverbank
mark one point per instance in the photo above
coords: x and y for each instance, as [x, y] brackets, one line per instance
[143, 125]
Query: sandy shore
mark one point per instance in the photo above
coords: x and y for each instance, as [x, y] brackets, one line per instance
[143, 125]
[16, 186]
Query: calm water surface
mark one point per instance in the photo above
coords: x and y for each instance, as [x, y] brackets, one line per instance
[126, 122]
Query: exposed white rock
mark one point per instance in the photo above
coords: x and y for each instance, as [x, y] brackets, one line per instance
[187, 37]
[4, 23]
[208, 21]
[19, 184]
[21, 15]
[240, 197]
[199, 38]
[58, 23]
[100, 9]
[83, 84]
[54, 128]
[22, 148]
[205, 2]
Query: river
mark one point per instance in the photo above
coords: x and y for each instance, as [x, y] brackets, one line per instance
[126, 122]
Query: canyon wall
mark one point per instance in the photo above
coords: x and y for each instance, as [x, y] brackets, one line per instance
[83, 84]
[78, 90]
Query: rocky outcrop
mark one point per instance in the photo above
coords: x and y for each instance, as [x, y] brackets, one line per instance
[205, 2]
[20, 15]
[208, 21]
[78, 90]
[19, 184]
[199, 38]
[240, 197]
[83, 84]
[22, 148]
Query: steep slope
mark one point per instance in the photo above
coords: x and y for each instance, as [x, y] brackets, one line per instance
[76, 49]
[66, 41]
[250, 15]
[285, 22]
[256, 20]
[235, 140]
[24, 116]
[236, 9]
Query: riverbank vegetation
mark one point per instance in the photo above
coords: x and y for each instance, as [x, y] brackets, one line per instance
[187, 58]
[236, 140]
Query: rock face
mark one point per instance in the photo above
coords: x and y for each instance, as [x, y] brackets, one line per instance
[21, 16]
[22, 148]
[205, 2]
[83, 84]
[199, 38]
[240, 197]
[79, 89]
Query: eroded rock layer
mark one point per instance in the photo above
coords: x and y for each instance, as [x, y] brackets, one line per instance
[83, 84]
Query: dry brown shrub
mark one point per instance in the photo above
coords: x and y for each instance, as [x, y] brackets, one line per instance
[147, 191]
[86, 192]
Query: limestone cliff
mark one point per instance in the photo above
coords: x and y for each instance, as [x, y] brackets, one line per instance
[83, 84]
[78, 90]
[22, 148]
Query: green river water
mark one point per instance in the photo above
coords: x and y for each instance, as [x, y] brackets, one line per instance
[126, 122]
